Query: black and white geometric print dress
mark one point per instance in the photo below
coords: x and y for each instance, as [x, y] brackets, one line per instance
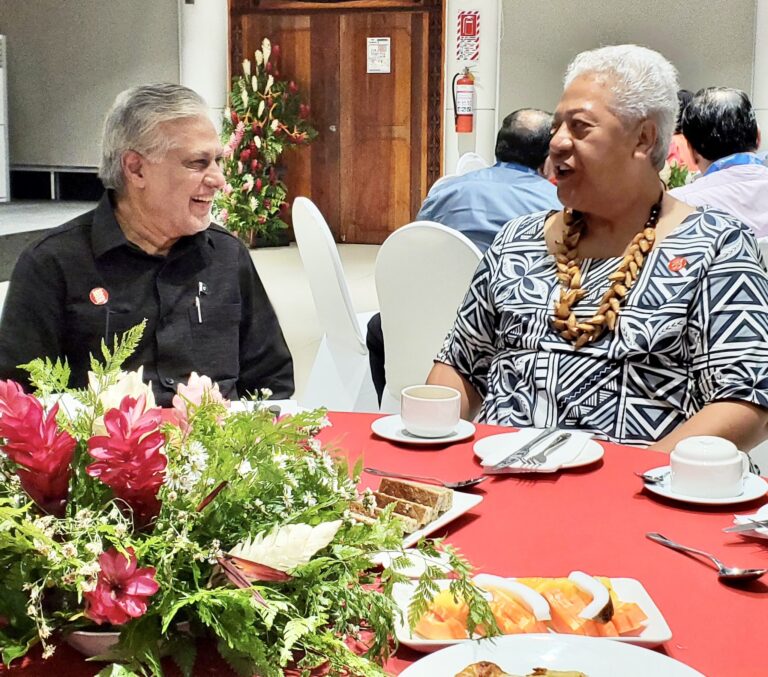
[693, 329]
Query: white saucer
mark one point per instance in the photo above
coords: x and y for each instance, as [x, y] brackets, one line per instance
[391, 428]
[591, 452]
[754, 487]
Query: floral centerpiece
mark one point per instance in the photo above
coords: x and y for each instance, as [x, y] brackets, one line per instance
[168, 525]
[266, 116]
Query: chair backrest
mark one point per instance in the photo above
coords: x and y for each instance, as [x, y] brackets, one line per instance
[442, 179]
[762, 242]
[469, 162]
[326, 276]
[423, 271]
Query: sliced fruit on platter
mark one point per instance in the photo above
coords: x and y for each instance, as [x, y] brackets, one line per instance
[580, 604]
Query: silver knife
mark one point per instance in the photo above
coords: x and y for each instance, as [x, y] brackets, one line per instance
[748, 526]
[523, 451]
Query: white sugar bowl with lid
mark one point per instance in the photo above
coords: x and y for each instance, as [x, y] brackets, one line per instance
[708, 467]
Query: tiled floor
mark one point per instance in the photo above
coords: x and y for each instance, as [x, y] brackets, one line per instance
[280, 269]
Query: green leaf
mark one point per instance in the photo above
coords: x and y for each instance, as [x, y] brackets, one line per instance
[48, 377]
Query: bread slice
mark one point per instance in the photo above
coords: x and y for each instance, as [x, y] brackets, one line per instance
[440, 498]
[421, 513]
[360, 514]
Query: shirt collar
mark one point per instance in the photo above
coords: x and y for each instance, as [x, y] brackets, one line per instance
[732, 161]
[518, 167]
[107, 235]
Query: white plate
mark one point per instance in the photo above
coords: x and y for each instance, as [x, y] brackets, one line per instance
[592, 451]
[391, 428]
[418, 562]
[519, 654]
[761, 514]
[754, 487]
[656, 631]
[462, 502]
[286, 406]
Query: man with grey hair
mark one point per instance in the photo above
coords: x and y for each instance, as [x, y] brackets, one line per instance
[721, 129]
[149, 251]
[623, 314]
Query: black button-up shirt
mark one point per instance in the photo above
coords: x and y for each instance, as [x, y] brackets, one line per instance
[205, 306]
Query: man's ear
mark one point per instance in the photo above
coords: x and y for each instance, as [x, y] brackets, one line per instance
[133, 168]
[646, 138]
[696, 157]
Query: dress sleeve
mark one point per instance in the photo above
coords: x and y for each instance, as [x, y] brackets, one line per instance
[33, 315]
[265, 361]
[470, 345]
[729, 324]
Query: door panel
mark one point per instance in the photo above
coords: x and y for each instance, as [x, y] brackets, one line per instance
[376, 129]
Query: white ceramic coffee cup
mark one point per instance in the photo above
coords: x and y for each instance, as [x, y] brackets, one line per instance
[430, 411]
[708, 467]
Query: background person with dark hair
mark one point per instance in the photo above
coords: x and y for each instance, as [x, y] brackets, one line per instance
[721, 129]
[479, 203]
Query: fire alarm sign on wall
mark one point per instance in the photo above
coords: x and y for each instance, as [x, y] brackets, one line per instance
[468, 35]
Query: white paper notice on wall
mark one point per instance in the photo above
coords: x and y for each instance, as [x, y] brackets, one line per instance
[468, 35]
[378, 55]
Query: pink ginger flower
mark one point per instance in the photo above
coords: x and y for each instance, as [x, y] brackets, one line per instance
[122, 590]
[197, 390]
[224, 215]
[129, 458]
[34, 441]
[227, 190]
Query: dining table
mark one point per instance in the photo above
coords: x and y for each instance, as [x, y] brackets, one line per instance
[592, 518]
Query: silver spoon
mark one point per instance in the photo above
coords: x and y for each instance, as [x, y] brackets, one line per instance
[652, 479]
[461, 484]
[723, 572]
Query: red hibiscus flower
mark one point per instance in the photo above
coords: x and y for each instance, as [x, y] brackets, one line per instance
[34, 441]
[129, 458]
[121, 590]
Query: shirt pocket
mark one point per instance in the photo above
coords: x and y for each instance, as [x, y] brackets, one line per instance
[216, 339]
[89, 324]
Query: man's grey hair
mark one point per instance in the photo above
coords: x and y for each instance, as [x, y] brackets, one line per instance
[643, 84]
[134, 123]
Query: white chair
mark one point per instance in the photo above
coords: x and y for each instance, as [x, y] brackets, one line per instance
[469, 162]
[442, 179]
[340, 378]
[423, 271]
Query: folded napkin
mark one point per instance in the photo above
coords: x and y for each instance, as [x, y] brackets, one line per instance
[760, 515]
[556, 459]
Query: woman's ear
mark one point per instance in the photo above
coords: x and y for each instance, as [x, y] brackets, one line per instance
[646, 138]
[133, 168]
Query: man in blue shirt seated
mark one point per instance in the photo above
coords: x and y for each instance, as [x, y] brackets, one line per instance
[479, 203]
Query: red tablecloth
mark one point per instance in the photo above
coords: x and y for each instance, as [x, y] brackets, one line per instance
[593, 519]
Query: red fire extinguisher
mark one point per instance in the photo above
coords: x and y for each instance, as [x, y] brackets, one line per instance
[463, 100]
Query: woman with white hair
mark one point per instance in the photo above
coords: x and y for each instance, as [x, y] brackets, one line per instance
[627, 314]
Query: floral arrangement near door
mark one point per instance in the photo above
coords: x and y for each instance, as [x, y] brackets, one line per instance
[266, 117]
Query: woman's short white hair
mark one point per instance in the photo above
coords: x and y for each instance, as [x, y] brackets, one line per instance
[133, 123]
[643, 84]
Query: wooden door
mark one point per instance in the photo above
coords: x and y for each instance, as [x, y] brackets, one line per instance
[378, 146]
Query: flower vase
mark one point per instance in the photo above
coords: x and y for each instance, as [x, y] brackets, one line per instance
[101, 643]
[93, 643]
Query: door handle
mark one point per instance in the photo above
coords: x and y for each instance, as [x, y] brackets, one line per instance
[332, 128]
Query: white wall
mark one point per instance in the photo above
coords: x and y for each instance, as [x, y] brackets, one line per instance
[67, 61]
[710, 42]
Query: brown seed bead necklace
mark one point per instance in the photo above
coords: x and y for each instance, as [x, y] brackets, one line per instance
[569, 274]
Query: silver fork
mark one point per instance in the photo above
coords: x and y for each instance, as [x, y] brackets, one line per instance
[539, 458]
